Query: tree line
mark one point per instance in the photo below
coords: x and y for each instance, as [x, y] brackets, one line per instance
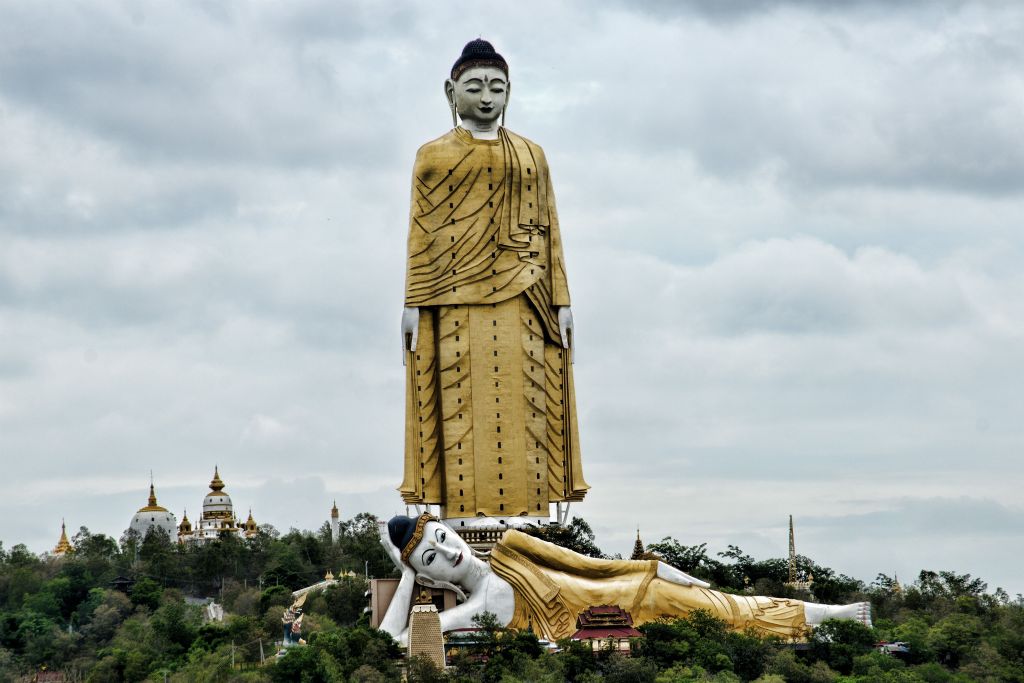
[116, 610]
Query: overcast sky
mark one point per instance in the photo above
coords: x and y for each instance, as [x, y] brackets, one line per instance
[793, 234]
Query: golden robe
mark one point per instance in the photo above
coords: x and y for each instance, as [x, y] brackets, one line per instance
[553, 585]
[490, 407]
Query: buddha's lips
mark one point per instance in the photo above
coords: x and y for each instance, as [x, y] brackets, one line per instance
[458, 560]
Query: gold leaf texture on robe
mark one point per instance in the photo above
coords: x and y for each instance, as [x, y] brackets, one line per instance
[490, 408]
[553, 585]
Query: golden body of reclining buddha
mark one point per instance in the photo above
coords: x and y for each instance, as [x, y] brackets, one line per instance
[552, 586]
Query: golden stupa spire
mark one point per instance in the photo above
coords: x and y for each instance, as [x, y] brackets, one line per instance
[151, 504]
[638, 547]
[63, 545]
[334, 509]
[216, 484]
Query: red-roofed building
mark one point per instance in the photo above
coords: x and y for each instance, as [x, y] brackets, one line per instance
[604, 625]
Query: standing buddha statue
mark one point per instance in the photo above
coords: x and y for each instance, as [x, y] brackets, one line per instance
[491, 434]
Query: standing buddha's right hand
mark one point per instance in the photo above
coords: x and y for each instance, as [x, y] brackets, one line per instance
[410, 329]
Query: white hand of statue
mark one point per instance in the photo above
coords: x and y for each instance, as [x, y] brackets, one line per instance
[391, 549]
[670, 573]
[565, 329]
[410, 329]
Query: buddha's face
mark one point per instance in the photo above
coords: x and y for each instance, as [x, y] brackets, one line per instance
[480, 94]
[441, 555]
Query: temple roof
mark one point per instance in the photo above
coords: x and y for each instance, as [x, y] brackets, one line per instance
[600, 633]
[605, 621]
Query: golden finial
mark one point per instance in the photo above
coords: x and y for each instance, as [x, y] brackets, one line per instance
[216, 484]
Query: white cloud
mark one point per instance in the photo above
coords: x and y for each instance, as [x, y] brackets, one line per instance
[792, 235]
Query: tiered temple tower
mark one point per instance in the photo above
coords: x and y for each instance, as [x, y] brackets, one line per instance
[335, 523]
[63, 545]
[794, 580]
[638, 548]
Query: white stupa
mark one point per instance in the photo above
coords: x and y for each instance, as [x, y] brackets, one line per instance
[218, 517]
[154, 516]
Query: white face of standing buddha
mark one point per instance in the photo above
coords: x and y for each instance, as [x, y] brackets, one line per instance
[442, 555]
[480, 94]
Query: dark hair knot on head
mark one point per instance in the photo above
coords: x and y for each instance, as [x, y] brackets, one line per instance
[478, 53]
[407, 532]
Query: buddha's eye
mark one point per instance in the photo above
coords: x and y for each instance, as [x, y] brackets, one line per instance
[443, 536]
[428, 557]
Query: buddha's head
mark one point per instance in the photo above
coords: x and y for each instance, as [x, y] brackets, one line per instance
[438, 555]
[478, 88]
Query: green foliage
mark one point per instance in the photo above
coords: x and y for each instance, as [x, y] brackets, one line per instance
[62, 613]
[147, 593]
[838, 642]
[621, 669]
[701, 640]
[337, 654]
[576, 536]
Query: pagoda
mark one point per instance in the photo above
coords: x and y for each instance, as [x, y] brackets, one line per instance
[601, 625]
[63, 545]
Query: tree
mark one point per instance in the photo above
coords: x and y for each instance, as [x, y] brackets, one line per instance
[576, 536]
[838, 642]
[693, 559]
[147, 593]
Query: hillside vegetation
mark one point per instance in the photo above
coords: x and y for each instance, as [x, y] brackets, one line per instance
[63, 614]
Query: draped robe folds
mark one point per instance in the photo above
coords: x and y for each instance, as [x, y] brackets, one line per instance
[552, 585]
[490, 407]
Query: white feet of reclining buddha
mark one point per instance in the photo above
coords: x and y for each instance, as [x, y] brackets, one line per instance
[815, 614]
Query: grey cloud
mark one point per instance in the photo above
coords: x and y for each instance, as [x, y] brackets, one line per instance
[782, 280]
[928, 517]
[840, 101]
[735, 10]
[230, 93]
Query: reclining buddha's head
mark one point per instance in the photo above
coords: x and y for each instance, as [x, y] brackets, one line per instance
[432, 549]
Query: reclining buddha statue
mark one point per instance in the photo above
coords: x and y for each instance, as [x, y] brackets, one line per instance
[529, 583]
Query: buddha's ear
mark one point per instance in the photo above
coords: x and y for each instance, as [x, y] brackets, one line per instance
[449, 91]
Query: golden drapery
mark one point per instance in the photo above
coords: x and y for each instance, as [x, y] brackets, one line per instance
[553, 585]
[490, 406]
